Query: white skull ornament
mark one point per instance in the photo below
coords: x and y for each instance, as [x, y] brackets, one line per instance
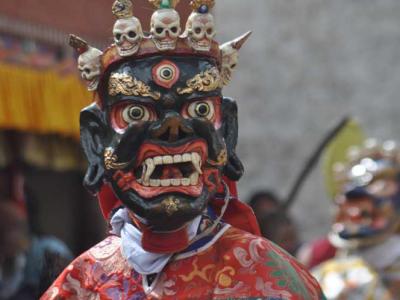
[165, 28]
[200, 31]
[89, 66]
[230, 56]
[128, 35]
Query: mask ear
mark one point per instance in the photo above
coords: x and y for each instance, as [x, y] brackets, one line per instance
[234, 168]
[93, 133]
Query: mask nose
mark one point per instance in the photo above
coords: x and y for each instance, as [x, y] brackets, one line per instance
[172, 128]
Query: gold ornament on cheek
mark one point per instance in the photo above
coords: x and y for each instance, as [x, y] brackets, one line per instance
[125, 84]
[206, 81]
[222, 159]
[110, 160]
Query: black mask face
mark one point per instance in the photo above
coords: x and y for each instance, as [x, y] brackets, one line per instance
[163, 139]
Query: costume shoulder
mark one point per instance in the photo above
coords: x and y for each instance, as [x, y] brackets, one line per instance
[98, 271]
[266, 269]
[353, 277]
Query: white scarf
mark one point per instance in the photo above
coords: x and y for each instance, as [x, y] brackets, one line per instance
[142, 261]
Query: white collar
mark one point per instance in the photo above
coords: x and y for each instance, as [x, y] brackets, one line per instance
[140, 260]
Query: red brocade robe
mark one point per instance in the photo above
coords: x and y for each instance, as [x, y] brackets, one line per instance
[238, 265]
[235, 264]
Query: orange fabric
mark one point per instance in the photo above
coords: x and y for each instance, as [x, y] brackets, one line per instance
[237, 266]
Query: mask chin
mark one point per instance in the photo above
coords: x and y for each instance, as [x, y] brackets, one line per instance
[167, 212]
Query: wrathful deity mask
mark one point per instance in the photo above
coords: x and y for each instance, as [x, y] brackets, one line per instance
[160, 135]
[369, 206]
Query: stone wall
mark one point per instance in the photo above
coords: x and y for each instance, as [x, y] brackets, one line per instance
[309, 63]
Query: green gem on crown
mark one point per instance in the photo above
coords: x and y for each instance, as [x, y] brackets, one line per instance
[165, 4]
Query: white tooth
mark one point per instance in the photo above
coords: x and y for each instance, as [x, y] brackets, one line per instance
[186, 157]
[139, 181]
[155, 183]
[185, 182]
[150, 167]
[194, 178]
[176, 182]
[144, 171]
[177, 159]
[165, 182]
[167, 160]
[158, 160]
[197, 162]
[146, 183]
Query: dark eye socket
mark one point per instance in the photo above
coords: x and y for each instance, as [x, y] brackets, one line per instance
[86, 70]
[233, 66]
[174, 29]
[210, 30]
[132, 34]
[159, 30]
[197, 30]
[118, 36]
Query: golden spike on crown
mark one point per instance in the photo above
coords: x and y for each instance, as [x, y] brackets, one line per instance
[122, 9]
[202, 6]
[79, 44]
[159, 4]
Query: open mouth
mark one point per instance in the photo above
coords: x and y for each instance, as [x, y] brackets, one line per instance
[165, 171]
[92, 85]
[165, 45]
[202, 45]
[161, 169]
[127, 49]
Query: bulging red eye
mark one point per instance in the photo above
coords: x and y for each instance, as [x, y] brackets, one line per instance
[201, 109]
[127, 113]
[135, 113]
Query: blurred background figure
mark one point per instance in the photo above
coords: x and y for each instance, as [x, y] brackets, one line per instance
[365, 228]
[275, 222]
[28, 263]
[264, 202]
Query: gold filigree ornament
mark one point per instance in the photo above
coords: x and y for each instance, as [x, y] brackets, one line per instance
[222, 159]
[122, 9]
[206, 81]
[125, 84]
[171, 205]
[110, 160]
[196, 4]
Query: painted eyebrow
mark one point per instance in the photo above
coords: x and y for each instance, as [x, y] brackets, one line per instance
[127, 85]
[205, 81]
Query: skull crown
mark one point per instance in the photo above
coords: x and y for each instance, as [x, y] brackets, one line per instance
[127, 30]
[165, 28]
[200, 26]
[89, 61]
[165, 36]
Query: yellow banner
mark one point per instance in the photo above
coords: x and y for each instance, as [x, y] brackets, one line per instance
[43, 102]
